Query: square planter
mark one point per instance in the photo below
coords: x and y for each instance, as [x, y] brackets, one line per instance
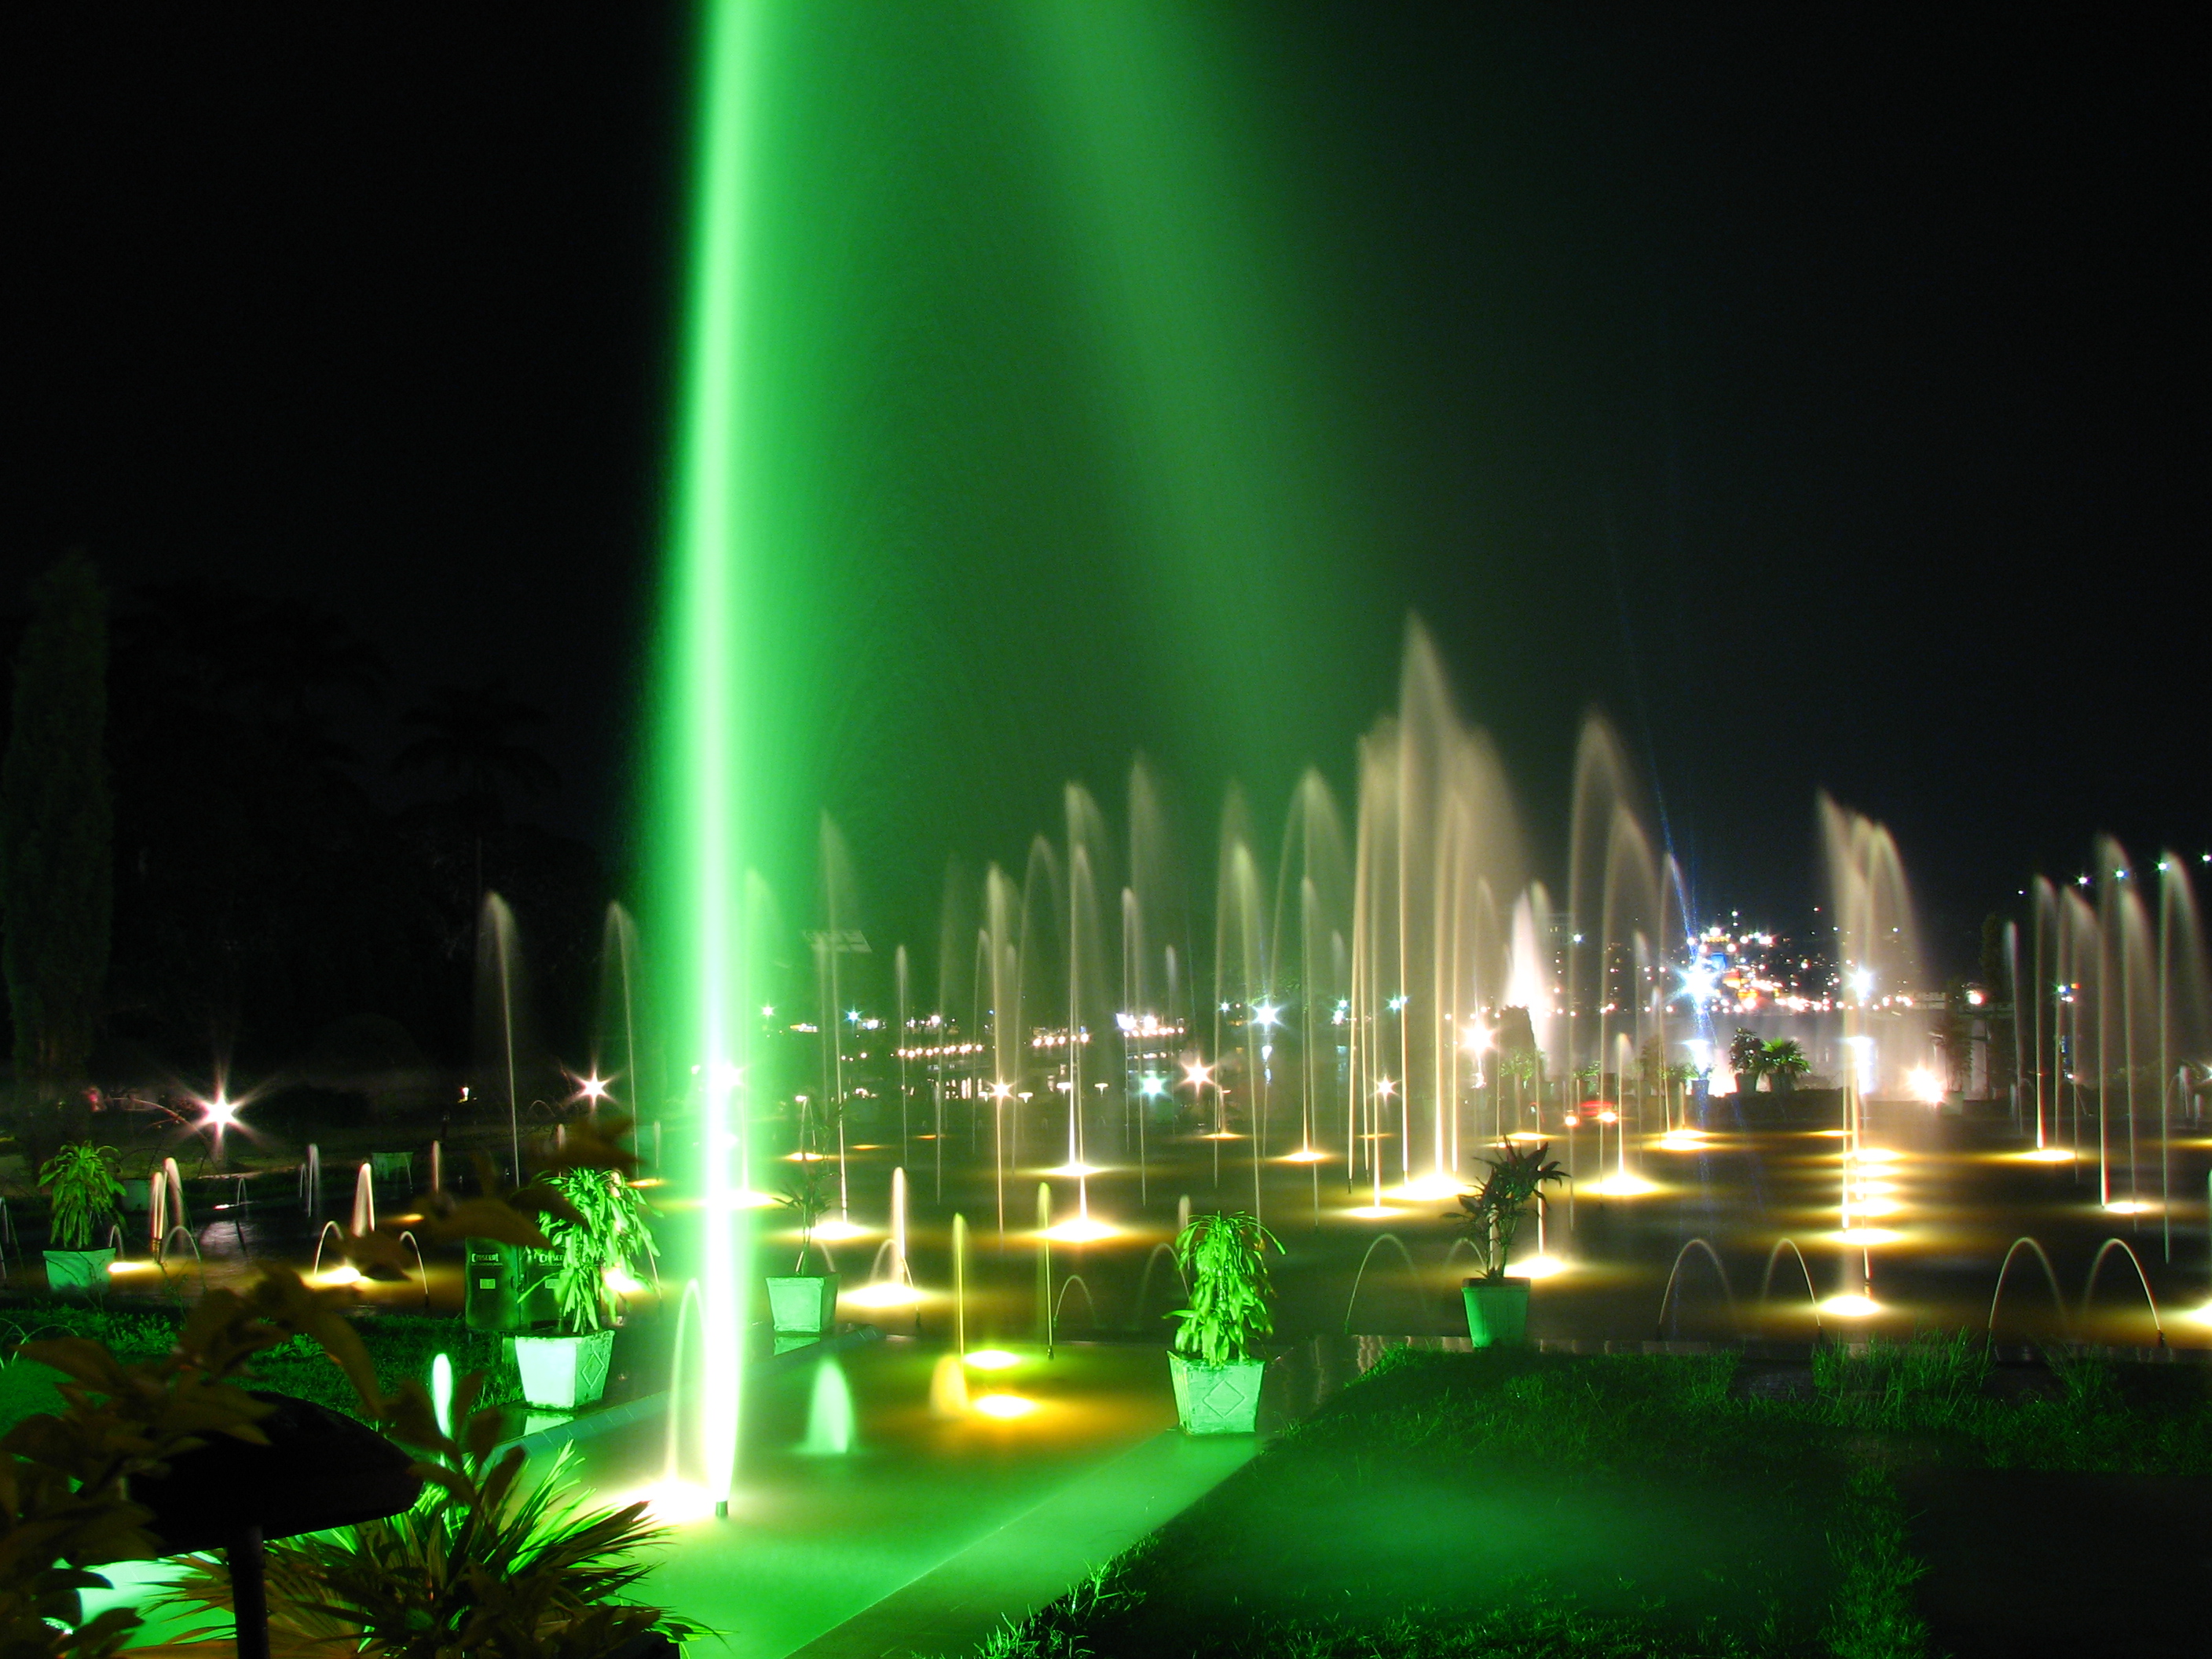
[78, 1273]
[564, 1372]
[1496, 1312]
[803, 1304]
[1217, 1399]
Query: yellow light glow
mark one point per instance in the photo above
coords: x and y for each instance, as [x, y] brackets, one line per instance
[1536, 1266]
[344, 1273]
[1073, 1170]
[1081, 1230]
[838, 1229]
[747, 1200]
[1523, 1136]
[1926, 1086]
[1222, 1134]
[1305, 1155]
[2200, 1316]
[1430, 1189]
[1876, 1206]
[1851, 1306]
[1682, 1140]
[993, 1359]
[1872, 1155]
[621, 1282]
[672, 1502]
[2128, 1206]
[1372, 1212]
[128, 1267]
[887, 1293]
[1868, 1235]
[802, 1157]
[2048, 1155]
[1621, 1185]
[1003, 1407]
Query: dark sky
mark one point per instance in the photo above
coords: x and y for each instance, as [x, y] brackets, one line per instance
[1820, 394]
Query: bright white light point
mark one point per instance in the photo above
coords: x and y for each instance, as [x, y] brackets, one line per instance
[1073, 1170]
[1197, 1071]
[1876, 1206]
[1372, 1212]
[2127, 1207]
[1305, 1155]
[1267, 1014]
[1683, 1140]
[1874, 1155]
[1536, 1266]
[993, 1359]
[837, 1229]
[1927, 1087]
[1852, 1306]
[1386, 1088]
[594, 1087]
[1003, 1406]
[1080, 1229]
[2048, 1155]
[621, 1282]
[345, 1273]
[1862, 981]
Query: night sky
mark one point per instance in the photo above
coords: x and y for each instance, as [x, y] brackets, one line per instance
[1820, 396]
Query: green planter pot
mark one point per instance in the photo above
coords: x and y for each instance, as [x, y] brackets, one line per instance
[78, 1273]
[803, 1304]
[1496, 1312]
[1217, 1399]
[564, 1372]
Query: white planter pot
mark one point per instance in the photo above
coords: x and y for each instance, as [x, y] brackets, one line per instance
[78, 1273]
[803, 1304]
[564, 1372]
[1217, 1399]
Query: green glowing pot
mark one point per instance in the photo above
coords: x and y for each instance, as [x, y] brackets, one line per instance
[1217, 1399]
[78, 1273]
[804, 1304]
[1496, 1312]
[564, 1372]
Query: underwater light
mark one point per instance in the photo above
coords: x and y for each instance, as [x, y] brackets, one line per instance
[839, 1228]
[2128, 1206]
[1682, 1140]
[1621, 1185]
[889, 1293]
[993, 1359]
[1873, 1155]
[670, 1502]
[1306, 1155]
[1073, 1170]
[1080, 1229]
[1222, 1134]
[1536, 1266]
[1372, 1212]
[1851, 1305]
[1004, 1407]
[344, 1273]
[2047, 1155]
[1868, 1235]
[1430, 1189]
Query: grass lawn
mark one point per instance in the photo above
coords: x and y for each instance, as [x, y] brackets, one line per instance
[1901, 1502]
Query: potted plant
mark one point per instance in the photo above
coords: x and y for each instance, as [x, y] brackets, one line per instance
[1497, 1307]
[81, 1178]
[1224, 1260]
[597, 1252]
[801, 1304]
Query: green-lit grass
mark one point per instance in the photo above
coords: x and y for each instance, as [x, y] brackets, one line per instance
[1526, 1504]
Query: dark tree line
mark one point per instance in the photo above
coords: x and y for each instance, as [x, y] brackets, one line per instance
[190, 759]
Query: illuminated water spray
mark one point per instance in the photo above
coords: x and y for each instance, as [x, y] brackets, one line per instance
[703, 844]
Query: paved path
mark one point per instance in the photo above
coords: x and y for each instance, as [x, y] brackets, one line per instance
[1040, 1553]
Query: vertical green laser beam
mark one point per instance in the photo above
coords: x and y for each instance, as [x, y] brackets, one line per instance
[703, 844]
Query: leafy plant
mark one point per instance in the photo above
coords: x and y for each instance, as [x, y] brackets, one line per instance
[1784, 1059]
[65, 1495]
[606, 1233]
[486, 1563]
[1223, 1258]
[807, 1197]
[81, 1177]
[1746, 1059]
[1490, 1216]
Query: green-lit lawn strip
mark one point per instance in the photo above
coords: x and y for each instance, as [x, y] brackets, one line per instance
[1503, 1504]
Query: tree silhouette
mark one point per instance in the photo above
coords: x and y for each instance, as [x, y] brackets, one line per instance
[472, 733]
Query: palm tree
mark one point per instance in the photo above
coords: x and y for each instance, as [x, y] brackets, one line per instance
[1785, 1062]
